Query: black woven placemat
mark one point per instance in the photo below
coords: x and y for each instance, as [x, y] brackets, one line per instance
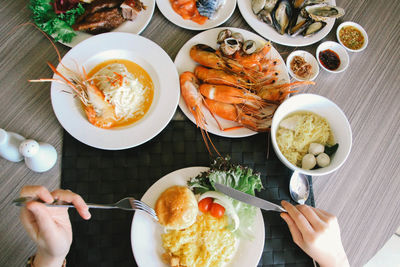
[101, 176]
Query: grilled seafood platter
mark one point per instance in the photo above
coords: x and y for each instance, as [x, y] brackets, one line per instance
[295, 17]
[232, 81]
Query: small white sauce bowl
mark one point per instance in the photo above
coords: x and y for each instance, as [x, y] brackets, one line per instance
[358, 27]
[338, 49]
[309, 58]
[325, 108]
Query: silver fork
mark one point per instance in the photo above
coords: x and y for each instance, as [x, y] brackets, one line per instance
[128, 203]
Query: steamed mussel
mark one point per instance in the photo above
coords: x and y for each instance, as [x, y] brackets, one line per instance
[295, 16]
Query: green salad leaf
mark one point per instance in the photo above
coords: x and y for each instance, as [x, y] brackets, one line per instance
[57, 25]
[238, 177]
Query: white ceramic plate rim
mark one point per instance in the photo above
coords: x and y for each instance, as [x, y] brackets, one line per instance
[114, 45]
[136, 26]
[303, 54]
[146, 233]
[184, 63]
[347, 128]
[269, 32]
[224, 13]
[360, 28]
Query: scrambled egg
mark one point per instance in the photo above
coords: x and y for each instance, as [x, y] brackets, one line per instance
[207, 243]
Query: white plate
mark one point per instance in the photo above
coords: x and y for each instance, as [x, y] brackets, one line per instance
[310, 59]
[270, 33]
[136, 26]
[128, 46]
[222, 15]
[146, 233]
[184, 63]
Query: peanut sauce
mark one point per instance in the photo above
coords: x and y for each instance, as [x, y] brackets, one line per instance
[351, 37]
[329, 59]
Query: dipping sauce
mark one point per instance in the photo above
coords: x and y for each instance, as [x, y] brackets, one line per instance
[300, 67]
[329, 59]
[351, 37]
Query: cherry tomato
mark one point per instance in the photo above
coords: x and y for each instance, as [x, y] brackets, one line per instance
[205, 204]
[217, 210]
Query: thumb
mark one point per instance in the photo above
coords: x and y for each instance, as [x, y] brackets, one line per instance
[44, 221]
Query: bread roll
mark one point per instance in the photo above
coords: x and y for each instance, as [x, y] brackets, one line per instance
[177, 208]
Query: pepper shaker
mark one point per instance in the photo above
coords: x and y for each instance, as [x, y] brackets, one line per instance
[39, 157]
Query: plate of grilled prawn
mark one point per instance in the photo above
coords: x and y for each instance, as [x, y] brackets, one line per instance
[232, 81]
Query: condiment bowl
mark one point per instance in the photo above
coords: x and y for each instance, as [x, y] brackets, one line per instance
[325, 108]
[358, 27]
[309, 58]
[339, 50]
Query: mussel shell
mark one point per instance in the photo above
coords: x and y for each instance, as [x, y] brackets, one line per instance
[298, 3]
[222, 35]
[257, 5]
[249, 47]
[230, 46]
[313, 28]
[323, 11]
[299, 27]
[269, 5]
[239, 37]
[265, 16]
[281, 16]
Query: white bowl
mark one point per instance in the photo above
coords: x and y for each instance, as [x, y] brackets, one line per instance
[338, 49]
[309, 58]
[361, 29]
[327, 109]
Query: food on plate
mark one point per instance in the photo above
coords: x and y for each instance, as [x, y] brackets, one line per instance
[351, 37]
[294, 17]
[104, 15]
[176, 208]
[115, 93]
[300, 67]
[61, 18]
[238, 81]
[329, 59]
[206, 243]
[303, 136]
[198, 11]
[221, 221]
[240, 216]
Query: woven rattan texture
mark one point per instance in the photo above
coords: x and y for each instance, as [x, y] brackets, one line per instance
[106, 176]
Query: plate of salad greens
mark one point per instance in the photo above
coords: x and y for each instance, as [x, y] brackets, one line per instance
[58, 17]
[248, 230]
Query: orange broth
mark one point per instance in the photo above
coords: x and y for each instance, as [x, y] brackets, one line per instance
[143, 77]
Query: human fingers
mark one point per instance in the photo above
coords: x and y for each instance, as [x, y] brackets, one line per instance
[37, 191]
[320, 214]
[294, 230]
[41, 217]
[301, 221]
[75, 199]
[27, 220]
[316, 222]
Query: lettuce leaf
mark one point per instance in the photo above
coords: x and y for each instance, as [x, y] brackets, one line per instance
[238, 177]
[57, 25]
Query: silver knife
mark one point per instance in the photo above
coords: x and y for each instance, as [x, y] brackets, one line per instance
[248, 199]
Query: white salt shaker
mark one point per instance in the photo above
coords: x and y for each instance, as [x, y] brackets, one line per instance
[39, 157]
[9, 144]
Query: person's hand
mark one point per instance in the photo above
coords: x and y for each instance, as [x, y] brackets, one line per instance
[317, 233]
[50, 227]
